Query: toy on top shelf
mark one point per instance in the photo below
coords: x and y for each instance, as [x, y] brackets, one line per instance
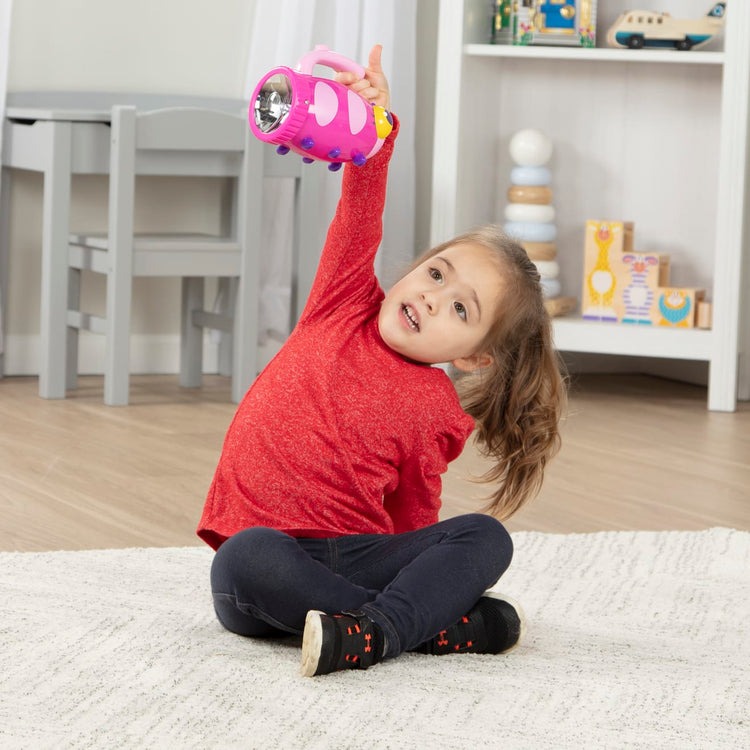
[529, 215]
[645, 28]
[316, 117]
[502, 29]
[569, 23]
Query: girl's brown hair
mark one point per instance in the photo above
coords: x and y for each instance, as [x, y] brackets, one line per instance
[518, 400]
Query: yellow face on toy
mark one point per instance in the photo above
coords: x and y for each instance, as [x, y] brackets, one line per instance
[383, 121]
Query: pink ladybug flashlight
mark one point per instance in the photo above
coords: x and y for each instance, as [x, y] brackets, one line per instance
[318, 118]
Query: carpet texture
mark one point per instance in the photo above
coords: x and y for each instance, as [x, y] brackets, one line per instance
[635, 640]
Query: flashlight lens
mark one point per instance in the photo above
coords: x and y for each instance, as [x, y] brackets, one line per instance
[273, 103]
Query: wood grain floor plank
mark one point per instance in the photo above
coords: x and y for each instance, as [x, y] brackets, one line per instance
[638, 453]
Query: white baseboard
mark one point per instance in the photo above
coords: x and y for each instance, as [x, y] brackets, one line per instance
[149, 354]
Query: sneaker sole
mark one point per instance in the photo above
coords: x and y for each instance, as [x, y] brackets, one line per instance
[312, 642]
[519, 610]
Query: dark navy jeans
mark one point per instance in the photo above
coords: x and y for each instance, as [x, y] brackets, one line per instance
[413, 585]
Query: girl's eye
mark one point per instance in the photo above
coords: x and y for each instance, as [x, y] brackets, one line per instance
[435, 274]
[460, 309]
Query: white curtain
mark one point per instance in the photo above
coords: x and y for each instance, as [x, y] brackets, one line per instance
[282, 32]
[5, 6]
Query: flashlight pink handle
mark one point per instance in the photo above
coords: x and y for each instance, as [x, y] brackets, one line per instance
[323, 55]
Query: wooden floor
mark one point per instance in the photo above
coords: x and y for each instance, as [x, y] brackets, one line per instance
[638, 453]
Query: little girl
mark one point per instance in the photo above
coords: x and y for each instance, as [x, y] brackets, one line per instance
[324, 506]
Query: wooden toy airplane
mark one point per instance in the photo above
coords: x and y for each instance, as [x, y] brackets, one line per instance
[646, 28]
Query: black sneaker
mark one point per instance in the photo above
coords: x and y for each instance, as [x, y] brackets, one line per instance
[494, 625]
[350, 640]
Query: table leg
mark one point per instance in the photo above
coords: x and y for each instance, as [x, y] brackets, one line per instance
[4, 261]
[744, 364]
[308, 238]
[55, 230]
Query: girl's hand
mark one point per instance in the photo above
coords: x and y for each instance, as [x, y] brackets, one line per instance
[374, 86]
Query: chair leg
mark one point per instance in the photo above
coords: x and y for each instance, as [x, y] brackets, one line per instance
[191, 339]
[249, 201]
[117, 358]
[54, 284]
[245, 336]
[74, 303]
[120, 273]
[4, 256]
[227, 297]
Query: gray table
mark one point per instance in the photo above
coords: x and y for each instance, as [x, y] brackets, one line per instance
[64, 133]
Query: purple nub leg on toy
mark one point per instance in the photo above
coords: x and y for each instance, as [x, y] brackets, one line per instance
[307, 143]
[283, 150]
[334, 166]
[307, 160]
[359, 158]
[334, 153]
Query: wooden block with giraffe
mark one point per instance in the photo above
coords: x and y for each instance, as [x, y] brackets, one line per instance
[606, 242]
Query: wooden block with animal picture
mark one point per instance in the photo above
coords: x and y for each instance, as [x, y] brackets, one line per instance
[605, 244]
[677, 306]
[639, 276]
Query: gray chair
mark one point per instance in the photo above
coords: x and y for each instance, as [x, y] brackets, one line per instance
[121, 255]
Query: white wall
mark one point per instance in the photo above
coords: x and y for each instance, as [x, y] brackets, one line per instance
[194, 47]
[176, 46]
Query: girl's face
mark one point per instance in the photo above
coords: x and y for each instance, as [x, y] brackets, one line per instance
[443, 309]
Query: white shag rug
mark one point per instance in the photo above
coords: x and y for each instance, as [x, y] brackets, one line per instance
[635, 640]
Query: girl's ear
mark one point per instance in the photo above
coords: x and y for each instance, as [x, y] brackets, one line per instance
[474, 362]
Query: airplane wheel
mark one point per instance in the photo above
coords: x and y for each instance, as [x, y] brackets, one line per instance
[635, 41]
[684, 44]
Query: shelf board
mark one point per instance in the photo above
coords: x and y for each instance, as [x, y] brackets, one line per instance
[598, 54]
[574, 334]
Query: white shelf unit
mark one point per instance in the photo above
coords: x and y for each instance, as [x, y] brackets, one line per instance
[655, 137]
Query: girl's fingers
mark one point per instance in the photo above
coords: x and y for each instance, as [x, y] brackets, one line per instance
[359, 85]
[374, 60]
[352, 81]
[346, 77]
[370, 93]
[374, 87]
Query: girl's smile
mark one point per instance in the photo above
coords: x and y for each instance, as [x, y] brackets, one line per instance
[411, 317]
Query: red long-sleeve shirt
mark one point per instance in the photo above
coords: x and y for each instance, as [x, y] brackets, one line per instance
[339, 434]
